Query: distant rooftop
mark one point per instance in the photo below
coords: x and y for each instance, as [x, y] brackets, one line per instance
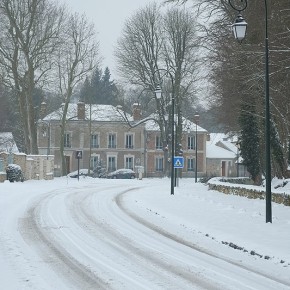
[152, 125]
[7, 143]
[102, 113]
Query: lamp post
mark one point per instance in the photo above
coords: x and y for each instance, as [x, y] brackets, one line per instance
[196, 120]
[238, 157]
[158, 93]
[47, 132]
[267, 105]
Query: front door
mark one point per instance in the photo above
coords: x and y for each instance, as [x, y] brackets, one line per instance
[224, 165]
[67, 164]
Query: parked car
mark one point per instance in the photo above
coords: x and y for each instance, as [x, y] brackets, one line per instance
[122, 174]
[74, 174]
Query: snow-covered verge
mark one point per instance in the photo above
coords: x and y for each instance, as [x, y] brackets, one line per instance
[280, 191]
[132, 234]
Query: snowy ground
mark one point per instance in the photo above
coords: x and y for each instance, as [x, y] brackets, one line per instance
[132, 234]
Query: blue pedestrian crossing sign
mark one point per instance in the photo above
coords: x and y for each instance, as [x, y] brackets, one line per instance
[178, 162]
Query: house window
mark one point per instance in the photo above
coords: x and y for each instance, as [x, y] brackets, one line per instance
[111, 163]
[1, 164]
[158, 143]
[129, 163]
[67, 140]
[112, 140]
[94, 162]
[95, 141]
[190, 164]
[191, 142]
[159, 163]
[129, 141]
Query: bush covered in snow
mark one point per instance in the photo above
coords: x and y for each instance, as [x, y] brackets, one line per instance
[14, 173]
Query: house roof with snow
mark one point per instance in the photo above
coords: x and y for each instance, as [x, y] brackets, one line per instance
[221, 146]
[215, 152]
[152, 125]
[101, 113]
[7, 143]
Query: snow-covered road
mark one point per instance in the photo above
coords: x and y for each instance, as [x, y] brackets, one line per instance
[103, 234]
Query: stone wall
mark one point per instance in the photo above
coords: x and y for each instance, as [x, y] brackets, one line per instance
[253, 193]
[2, 176]
[32, 166]
[40, 166]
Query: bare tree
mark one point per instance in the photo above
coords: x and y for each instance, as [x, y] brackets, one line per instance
[238, 73]
[139, 55]
[28, 38]
[180, 56]
[159, 49]
[77, 57]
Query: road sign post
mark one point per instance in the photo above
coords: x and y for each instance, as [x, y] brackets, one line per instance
[79, 155]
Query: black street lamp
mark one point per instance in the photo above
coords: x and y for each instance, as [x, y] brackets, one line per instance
[158, 93]
[238, 157]
[267, 106]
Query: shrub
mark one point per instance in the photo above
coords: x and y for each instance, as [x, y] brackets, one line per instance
[14, 173]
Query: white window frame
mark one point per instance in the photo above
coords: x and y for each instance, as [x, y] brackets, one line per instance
[112, 140]
[126, 157]
[67, 140]
[129, 140]
[158, 142]
[93, 162]
[192, 161]
[109, 167]
[191, 142]
[95, 142]
[159, 159]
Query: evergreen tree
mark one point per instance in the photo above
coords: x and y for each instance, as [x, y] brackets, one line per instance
[109, 89]
[86, 92]
[279, 162]
[96, 86]
[250, 140]
[100, 89]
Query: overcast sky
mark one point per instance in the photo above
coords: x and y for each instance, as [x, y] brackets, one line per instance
[109, 17]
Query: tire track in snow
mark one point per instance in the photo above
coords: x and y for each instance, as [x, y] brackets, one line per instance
[150, 264]
[120, 198]
[80, 276]
[77, 275]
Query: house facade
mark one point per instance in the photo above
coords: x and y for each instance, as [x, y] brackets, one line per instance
[223, 156]
[157, 156]
[99, 132]
[106, 140]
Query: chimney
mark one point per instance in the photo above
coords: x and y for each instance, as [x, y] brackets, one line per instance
[136, 112]
[81, 111]
[43, 110]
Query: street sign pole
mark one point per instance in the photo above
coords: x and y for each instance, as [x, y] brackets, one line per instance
[79, 155]
[78, 169]
[178, 162]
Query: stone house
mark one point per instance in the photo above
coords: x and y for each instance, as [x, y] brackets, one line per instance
[156, 155]
[101, 131]
[223, 158]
